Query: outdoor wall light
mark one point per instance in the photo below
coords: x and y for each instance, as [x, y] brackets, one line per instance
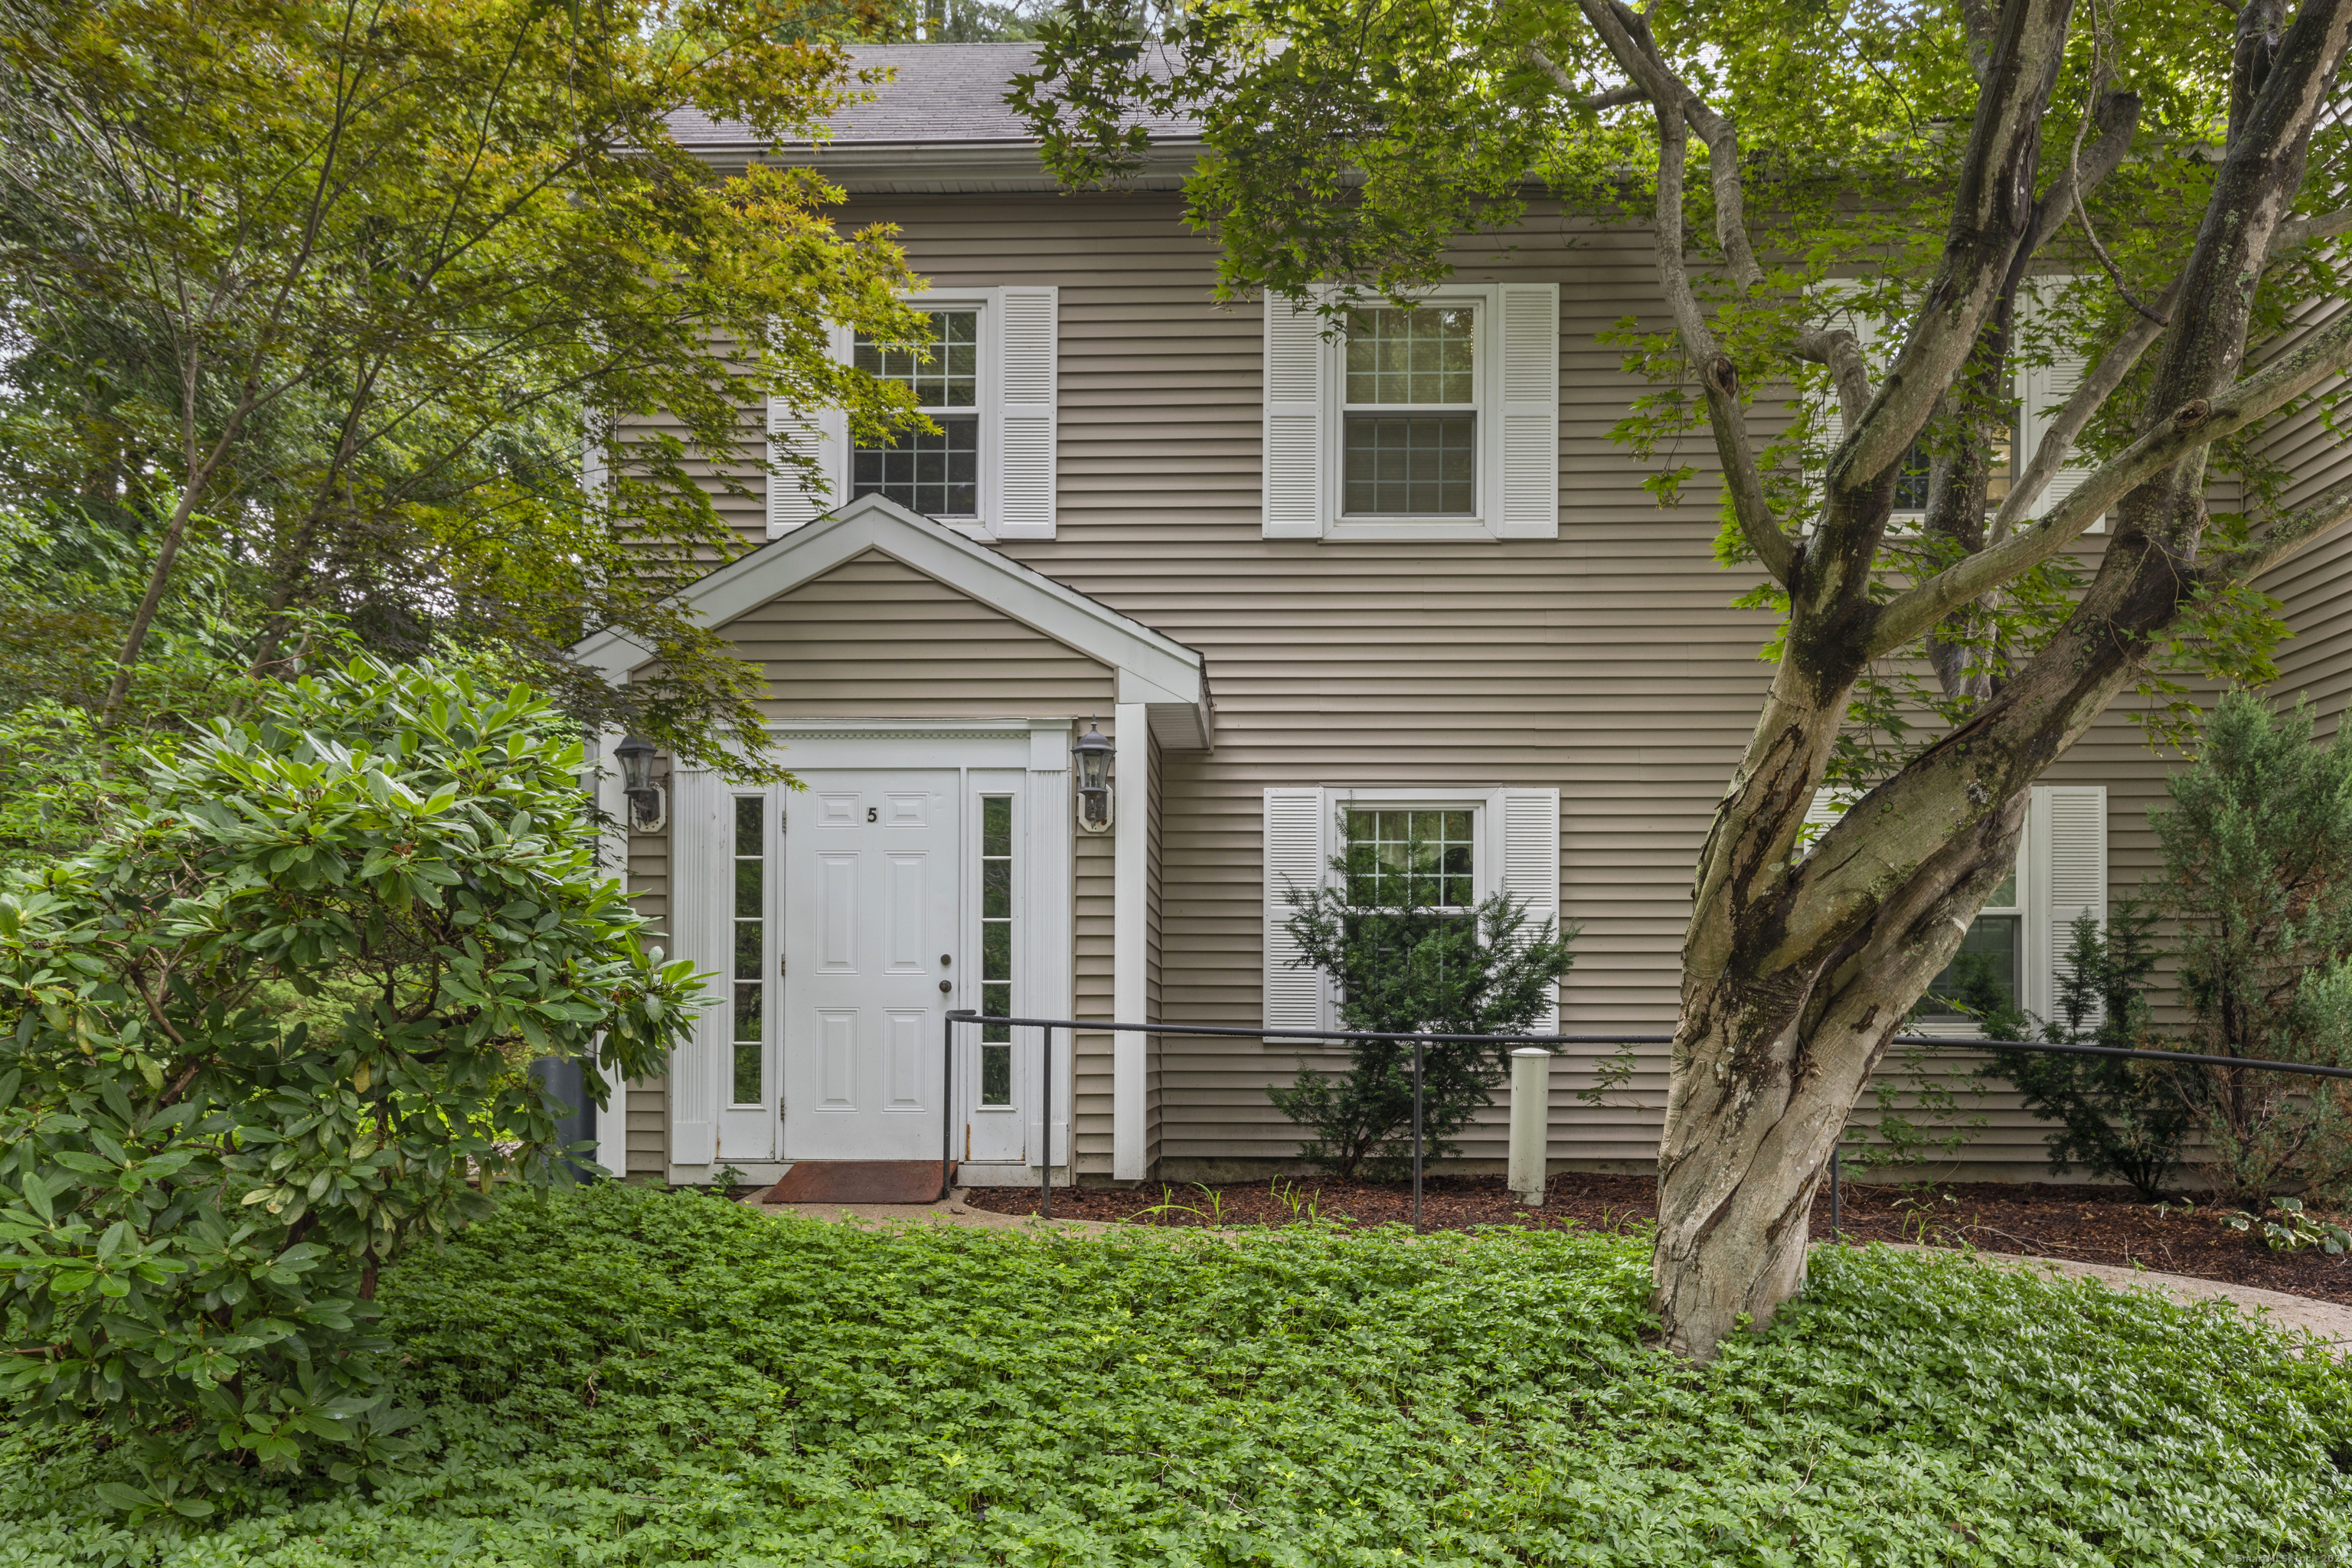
[1093, 754]
[648, 802]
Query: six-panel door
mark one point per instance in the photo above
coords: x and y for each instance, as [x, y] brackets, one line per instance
[871, 878]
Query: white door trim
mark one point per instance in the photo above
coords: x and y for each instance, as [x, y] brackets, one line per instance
[1040, 747]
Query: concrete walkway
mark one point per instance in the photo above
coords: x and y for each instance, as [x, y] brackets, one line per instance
[951, 1210]
[2326, 1320]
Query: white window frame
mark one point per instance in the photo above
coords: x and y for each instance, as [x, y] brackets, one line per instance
[1504, 820]
[1017, 407]
[2038, 391]
[2061, 869]
[1483, 301]
[1517, 408]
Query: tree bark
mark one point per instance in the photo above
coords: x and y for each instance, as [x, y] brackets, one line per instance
[1798, 972]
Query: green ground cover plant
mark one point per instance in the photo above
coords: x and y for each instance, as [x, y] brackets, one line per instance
[627, 1376]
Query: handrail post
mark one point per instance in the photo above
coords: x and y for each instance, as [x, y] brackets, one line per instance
[947, 1098]
[1416, 1135]
[1045, 1133]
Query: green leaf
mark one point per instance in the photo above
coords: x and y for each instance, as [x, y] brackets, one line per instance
[36, 1195]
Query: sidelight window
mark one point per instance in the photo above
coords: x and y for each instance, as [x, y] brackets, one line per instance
[749, 1036]
[996, 947]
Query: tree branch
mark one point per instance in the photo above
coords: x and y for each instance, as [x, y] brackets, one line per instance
[1977, 19]
[2072, 415]
[2298, 232]
[1628, 36]
[1837, 349]
[1609, 97]
[1718, 377]
[2287, 535]
[1990, 219]
[2197, 424]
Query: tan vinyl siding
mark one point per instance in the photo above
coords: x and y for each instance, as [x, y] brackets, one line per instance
[646, 1137]
[1608, 663]
[1094, 864]
[874, 639]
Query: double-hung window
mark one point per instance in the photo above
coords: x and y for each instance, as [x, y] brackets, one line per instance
[1427, 857]
[1437, 422]
[935, 474]
[2045, 374]
[2013, 956]
[1448, 848]
[983, 369]
[1409, 417]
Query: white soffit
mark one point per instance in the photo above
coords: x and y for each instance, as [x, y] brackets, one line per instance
[1153, 668]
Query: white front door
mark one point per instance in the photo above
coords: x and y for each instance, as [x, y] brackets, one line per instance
[872, 886]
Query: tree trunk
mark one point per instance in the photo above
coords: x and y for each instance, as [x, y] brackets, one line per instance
[1797, 973]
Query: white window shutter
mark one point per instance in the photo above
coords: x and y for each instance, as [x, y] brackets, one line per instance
[1828, 806]
[822, 434]
[1529, 341]
[1026, 383]
[1295, 363]
[1530, 867]
[701, 829]
[1295, 857]
[2066, 874]
[2042, 391]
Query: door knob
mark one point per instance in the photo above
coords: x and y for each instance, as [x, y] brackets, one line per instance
[946, 985]
[945, 961]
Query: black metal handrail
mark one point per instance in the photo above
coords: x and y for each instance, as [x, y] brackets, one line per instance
[1100, 1025]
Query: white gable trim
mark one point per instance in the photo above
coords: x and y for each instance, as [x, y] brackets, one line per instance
[1152, 668]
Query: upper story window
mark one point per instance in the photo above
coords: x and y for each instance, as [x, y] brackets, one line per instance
[1411, 414]
[937, 475]
[1440, 422]
[986, 372]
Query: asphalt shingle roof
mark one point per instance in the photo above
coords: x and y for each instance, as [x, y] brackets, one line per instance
[939, 92]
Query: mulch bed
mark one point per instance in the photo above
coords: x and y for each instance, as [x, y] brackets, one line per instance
[2088, 1224]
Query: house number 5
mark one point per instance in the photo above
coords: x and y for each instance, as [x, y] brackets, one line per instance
[873, 813]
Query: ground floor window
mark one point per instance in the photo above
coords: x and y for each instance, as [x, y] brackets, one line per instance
[1986, 976]
[1412, 856]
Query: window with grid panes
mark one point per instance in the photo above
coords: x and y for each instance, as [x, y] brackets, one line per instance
[750, 1035]
[1410, 418]
[938, 476]
[1995, 945]
[996, 947]
[1418, 855]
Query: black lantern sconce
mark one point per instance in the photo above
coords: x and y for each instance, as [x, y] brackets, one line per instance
[1093, 754]
[648, 802]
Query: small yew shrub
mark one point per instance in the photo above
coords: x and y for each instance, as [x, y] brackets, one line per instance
[623, 1376]
[269, 1032]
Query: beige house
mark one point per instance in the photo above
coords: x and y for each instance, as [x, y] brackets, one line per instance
[1284, 583]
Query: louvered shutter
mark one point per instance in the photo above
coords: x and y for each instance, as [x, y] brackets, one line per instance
[2066, 874]
[1295, 363]
[1025, 388]
[1530, 347]
[1294, 829]
[1530, 867]
[699, 871]
[2042, 391]
[822, 434]
[1828, 806]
